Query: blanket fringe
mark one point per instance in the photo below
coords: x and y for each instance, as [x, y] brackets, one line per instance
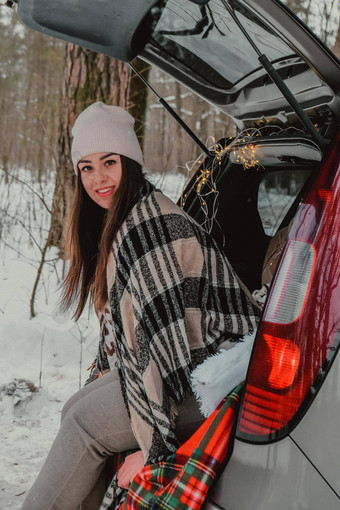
[219, 374]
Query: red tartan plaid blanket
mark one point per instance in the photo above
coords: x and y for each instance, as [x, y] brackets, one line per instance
[183, 480]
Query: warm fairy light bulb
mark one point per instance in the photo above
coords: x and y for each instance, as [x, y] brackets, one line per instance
[244, 153]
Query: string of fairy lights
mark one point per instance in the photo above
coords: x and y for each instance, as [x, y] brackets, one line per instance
[242, 150]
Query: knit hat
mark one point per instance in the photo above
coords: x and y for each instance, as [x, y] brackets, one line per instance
[104, 128]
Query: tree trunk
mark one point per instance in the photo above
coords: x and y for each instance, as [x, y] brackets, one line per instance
[88, 77]
[138, 96]
[336, 47]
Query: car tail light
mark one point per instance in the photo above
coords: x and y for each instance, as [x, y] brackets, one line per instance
[291, 285]
[284, 358]
[300, 330]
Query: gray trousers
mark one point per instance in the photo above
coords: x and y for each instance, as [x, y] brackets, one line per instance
[94, 426]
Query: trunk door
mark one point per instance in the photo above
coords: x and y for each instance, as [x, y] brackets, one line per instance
[200, 45]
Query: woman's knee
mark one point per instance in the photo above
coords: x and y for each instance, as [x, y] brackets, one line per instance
[68, 404]
[94, 385]
[75, 398]
[94, 431]
[77, 428]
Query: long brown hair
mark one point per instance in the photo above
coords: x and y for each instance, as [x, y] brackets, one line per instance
[91, 232]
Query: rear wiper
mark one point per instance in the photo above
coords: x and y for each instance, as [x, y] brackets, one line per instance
[276, 78]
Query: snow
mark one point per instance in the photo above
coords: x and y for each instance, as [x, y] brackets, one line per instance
[49, 352]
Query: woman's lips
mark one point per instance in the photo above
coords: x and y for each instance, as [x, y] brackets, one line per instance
[105, 192]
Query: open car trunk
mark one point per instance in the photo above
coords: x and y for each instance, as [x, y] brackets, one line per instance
[200, 43]
[245, 202]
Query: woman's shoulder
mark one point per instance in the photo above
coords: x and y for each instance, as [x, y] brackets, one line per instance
[165, 204]
[153, 204]
[164, 210]
[156, 217]
[180, 224]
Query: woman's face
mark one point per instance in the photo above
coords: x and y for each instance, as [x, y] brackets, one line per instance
[100, 175]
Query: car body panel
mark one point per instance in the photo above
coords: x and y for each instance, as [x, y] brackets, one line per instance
[291, 473]
[268, 477]
[318, 434]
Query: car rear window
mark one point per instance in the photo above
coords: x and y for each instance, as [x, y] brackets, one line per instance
[207, 40]
[277, 193]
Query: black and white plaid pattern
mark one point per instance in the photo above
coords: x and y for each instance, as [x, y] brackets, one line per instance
[170, 280]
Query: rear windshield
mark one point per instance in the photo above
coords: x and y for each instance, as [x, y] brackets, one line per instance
[206, 39]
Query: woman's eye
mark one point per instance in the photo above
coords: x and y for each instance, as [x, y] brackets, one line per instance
[85, 168]
[110, 162]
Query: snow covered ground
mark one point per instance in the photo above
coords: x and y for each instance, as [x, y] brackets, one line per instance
[43, 361]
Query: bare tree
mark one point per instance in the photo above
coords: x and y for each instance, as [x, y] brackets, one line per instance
[336, 47]
[30, 79]
[138, 97]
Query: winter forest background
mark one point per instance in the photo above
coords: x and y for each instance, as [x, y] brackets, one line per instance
[44, 84]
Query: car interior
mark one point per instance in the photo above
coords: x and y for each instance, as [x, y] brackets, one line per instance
[246, 207]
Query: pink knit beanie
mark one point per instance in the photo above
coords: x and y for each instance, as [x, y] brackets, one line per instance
[104, 128]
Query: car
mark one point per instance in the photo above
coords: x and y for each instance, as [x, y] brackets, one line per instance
[271, 196]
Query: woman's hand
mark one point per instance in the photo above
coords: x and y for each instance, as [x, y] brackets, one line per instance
[130, 467]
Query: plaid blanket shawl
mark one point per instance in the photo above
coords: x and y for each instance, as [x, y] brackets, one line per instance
[182, 482]
[173, 298]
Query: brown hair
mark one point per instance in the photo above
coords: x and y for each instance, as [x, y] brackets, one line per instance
[91, 233]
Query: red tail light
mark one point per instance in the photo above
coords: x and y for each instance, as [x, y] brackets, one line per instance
[300, 330]
[284, 358]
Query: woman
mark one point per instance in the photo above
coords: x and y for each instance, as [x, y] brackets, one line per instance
[166, 297]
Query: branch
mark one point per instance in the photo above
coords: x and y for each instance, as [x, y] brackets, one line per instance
[33, 191]
[35, 286]
[23, 226]
[19, 253]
